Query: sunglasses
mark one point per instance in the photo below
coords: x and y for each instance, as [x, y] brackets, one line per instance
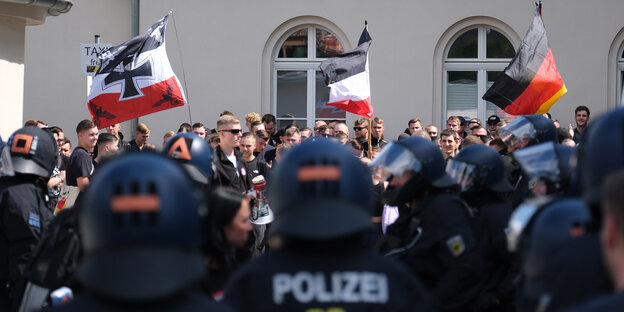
[359, 128]
[232, 131]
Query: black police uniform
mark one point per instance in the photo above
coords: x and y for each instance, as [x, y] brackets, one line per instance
[24, 215]
[302, 279]
[501, 267]
[187, 301]
[436, 241]
[581, 275]
[610, 303]
[226, 175]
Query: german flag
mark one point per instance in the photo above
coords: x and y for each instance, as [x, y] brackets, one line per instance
[531, 83]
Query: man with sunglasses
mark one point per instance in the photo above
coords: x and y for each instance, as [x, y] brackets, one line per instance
[480, 132]
[229, 163]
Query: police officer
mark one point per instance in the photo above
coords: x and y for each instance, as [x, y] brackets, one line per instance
[524, 131]
[194, 154]
[321, 196]
[601, 154]
[558, 223]
[25, 211]
[141, 237]
[548, 167]
[434, 236]
[479, 170]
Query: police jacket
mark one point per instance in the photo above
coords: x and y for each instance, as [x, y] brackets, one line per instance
[309, 279]
[578, 275]
[492, 215]
[436, 241]
[225, 173]
[188, 301]
[515, 176]
[24, 214]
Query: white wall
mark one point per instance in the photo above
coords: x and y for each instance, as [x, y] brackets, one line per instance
[12, 77]
[222, 45]
[54, 89]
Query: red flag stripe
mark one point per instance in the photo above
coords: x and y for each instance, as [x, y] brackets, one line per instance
[106, 109]
[358, 107]
[545, 84]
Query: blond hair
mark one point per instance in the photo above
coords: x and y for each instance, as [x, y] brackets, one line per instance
[226, 120]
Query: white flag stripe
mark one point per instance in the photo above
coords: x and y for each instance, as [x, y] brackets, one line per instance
[162, 69]
[356, 87]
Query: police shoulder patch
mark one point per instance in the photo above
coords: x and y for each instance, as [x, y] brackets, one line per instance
[456, 245]
[34, 220]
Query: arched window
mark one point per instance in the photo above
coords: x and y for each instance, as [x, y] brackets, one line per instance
[299, 92]
[620, 77]
[472, 62]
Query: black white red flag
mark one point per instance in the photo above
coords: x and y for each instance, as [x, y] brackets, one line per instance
[347, 77]
[134, 79]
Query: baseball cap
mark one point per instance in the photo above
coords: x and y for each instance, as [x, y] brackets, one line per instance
[493, 119]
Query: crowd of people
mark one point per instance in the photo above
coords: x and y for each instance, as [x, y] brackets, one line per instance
[473, 217]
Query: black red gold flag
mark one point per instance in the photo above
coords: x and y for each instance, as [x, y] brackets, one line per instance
[531, 83]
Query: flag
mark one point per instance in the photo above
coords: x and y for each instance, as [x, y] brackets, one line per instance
[134, 79]
[531, 83]
[347, 77]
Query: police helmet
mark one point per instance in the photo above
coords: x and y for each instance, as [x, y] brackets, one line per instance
[33, 151]
[6, 166]
[478, 168]
[528, 130]
[194, 153]
[601, 153]
[553, 163]
[320, 191]
[417, 155]
[140, 229]
[557, 223]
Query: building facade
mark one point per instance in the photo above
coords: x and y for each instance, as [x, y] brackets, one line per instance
[427, 59]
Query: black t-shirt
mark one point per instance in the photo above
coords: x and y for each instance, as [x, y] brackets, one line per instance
[378, 190]
[79, 165]
[62, 162]
[257, 167]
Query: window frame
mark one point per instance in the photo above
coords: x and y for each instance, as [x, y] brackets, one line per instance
[619, 78]
[309, 64]
[481, 65]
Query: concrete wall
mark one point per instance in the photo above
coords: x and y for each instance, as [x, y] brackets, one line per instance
[12, 78]
[55, 91]
[223, 46]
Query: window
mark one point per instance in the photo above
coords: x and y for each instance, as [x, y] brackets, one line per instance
[620, 77]
[299, 92]
[475, 58]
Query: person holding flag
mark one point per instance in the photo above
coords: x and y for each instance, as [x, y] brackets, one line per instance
[134, 79]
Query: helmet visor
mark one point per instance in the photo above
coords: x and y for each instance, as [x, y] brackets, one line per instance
[518, 132]
[394, 160]
[517, 223]
[539, 161]
[6, 165]
[465, 174]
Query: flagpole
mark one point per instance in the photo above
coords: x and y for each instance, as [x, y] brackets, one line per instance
[188, 96]
[370, 140]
